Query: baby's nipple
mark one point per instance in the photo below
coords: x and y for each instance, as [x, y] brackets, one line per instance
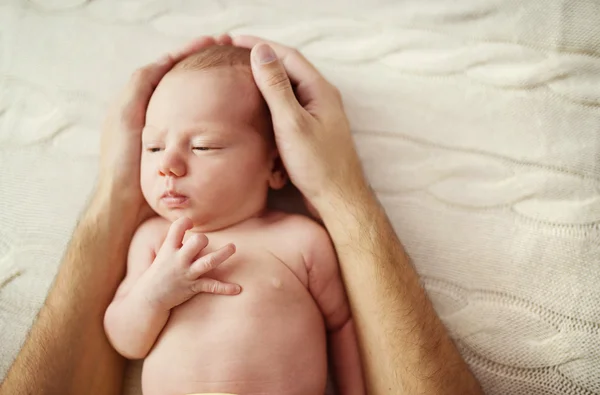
[276, 282]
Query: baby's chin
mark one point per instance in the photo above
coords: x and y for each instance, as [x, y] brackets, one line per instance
[203, 222]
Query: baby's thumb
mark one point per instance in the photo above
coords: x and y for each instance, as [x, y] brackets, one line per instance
[273, 81]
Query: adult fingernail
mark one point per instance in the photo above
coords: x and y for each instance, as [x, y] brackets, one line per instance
[265, 54]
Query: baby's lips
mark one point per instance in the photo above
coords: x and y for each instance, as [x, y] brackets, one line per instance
[173, 194]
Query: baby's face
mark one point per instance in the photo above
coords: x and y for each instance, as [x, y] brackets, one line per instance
[205, 150]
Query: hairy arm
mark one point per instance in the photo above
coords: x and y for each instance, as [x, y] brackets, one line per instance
[405, 346]
[66, 351]
[132, 324]
[326, 287]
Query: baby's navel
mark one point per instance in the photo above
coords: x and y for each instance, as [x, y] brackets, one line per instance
[276, 283]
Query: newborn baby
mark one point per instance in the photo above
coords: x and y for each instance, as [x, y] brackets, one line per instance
[209, 159]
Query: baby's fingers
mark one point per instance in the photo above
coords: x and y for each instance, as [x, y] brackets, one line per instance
[210, 261]
[192, 247]
[212, 286]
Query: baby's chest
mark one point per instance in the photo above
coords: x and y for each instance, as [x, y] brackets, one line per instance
[258, 259]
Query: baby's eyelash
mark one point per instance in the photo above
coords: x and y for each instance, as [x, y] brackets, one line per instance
[157, 149]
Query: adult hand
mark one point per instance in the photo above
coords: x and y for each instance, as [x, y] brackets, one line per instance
[121, 138]
[176, 273]
[311, 128]
[398, 329]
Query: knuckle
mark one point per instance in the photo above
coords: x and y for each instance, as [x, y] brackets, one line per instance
[278, 80]
[207, 286]
[211, 262]
[213, 287]
[196, 287]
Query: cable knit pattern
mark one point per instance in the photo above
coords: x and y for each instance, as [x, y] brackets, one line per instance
[477, 123]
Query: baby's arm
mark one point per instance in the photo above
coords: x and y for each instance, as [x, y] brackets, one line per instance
[326, 287]
[159, 279]
[131, 323]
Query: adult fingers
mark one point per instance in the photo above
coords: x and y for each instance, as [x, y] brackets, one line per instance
[213, 286]
[298, 68]
[248, 41]
[176, 232]
[224, 39]
[145, 79]
[193, 246]
[272, 80]
[210, 261]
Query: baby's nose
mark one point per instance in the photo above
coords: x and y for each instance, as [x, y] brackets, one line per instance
[172, 165]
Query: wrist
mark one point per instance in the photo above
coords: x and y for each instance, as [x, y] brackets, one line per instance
[143, 296]
[352, 215]
[338, 201]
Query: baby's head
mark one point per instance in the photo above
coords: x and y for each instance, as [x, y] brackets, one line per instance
[208, 146]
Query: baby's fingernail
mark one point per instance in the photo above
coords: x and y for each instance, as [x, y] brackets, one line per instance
[265, 54]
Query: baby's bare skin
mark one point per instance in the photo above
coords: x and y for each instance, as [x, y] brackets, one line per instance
[269, 339]
[207, 165]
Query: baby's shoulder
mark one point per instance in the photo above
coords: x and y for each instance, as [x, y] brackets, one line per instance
[297, 233]
[299, 227]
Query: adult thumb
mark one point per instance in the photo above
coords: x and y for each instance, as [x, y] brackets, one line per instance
[272, 80]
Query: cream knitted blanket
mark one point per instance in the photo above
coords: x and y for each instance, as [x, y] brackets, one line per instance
[478, 123]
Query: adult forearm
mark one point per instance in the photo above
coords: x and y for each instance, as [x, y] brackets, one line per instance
[66, 351]
[132, 324]
[405, 347]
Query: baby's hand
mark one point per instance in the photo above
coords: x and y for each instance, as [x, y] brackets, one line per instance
[175, 275]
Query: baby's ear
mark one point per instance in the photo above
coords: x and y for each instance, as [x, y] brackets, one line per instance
[278, 177]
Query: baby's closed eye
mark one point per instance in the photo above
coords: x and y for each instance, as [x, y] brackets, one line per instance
[153, 149]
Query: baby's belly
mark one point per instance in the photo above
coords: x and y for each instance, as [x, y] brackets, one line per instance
[270, 339]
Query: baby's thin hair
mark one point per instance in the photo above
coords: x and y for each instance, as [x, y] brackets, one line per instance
[215, 56]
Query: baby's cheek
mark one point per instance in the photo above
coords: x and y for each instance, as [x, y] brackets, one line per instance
[147, 186]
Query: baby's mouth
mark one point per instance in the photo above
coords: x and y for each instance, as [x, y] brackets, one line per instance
[173, 199]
